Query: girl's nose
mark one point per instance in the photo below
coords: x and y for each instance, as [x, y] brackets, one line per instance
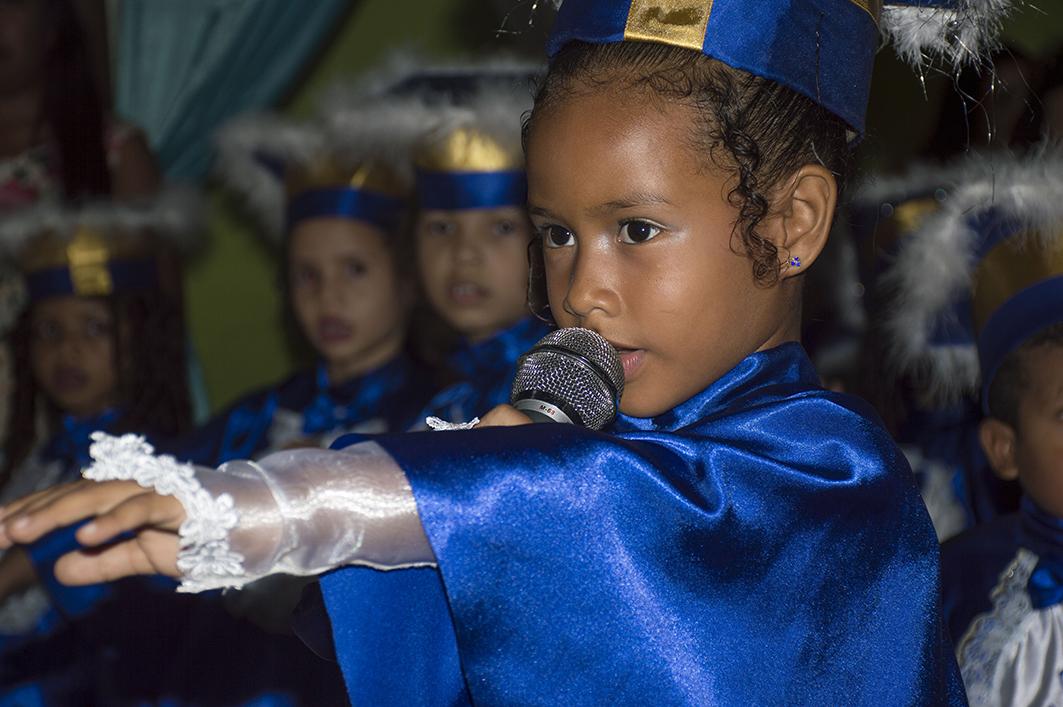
[592, 290]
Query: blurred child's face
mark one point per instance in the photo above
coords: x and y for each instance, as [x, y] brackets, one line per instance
[474, 267]
[1039, 438]
[637, 242]
[346, 293]
[23, 43]
[72, 354]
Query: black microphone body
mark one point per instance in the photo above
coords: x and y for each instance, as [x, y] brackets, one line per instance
[572, 376]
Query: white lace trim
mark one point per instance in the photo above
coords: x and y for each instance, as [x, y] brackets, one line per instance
[441, 425]
[990, 634]
[205, 559]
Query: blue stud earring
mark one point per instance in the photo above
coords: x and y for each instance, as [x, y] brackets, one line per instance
[795, 262]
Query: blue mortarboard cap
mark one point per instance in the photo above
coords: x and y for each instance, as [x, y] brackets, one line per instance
[823, 49]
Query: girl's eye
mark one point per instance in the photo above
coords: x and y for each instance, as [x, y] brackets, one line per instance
[47, 331]
[97, 328]
[638, 231]
[504, 228]
[439, 228]
[355, 268]
[557, 237]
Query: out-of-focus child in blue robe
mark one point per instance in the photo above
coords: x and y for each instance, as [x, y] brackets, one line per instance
[988, 270]
[938, 434]
[98, 347]
[472, 230]
[337, 203]
[738, 535]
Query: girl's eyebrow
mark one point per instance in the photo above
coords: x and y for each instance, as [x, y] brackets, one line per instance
[630, 201]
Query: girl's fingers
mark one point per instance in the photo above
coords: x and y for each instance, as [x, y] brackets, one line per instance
[148, 553]
[144, 510]
[67, 505]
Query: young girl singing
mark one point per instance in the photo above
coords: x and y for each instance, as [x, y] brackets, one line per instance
[739, 535]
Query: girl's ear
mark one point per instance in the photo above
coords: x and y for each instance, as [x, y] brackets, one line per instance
[802, 214]
[998, 443]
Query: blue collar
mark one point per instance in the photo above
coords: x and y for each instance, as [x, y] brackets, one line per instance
[71, 442]
[785, 365]
[1043, 533]
[356, 400]
[497, 355]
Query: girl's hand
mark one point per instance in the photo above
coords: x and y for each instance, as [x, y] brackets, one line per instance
[504, 416]
[119, 507]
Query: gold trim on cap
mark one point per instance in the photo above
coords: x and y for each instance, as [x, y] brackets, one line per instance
[1010, 267]
[678, 23]
[871, 7]
[467, 150]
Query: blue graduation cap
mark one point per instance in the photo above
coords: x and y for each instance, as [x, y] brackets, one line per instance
[823, 49]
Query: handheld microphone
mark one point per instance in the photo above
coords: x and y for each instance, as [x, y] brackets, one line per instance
[571, 376]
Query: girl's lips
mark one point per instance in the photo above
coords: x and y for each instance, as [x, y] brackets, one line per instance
[70, 379]
[332, 330]
[631, 360]
[466, 294]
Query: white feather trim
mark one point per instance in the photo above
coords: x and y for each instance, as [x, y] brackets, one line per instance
[176, 216]
[936, 265]
[502, 93]
[965, 34]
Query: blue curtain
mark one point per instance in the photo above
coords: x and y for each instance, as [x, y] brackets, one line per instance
[186, 66]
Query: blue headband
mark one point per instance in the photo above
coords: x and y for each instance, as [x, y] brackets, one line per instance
[378, 209]
[452, 191]
[116, 276]
[823, 49]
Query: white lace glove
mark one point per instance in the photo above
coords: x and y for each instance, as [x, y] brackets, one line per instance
[302, 511]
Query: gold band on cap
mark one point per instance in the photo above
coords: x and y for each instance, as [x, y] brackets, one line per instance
[1010, 267]
[467, 150]
[683, 23]
[87, 255]
[680, 24]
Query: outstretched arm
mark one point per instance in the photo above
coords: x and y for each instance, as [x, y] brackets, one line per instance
[300, 512]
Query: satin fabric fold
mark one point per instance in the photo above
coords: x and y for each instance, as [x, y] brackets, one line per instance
[763, 543]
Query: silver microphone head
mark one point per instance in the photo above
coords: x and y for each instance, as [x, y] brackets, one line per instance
[572, 375]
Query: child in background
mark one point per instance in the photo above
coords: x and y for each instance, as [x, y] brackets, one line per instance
[738, 535]
[988, 271]
[937, 432]
[99, 347]
[341, 207]
[472, 229]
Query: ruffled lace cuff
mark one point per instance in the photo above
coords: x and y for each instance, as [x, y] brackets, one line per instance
[205, 557]
[299, 512]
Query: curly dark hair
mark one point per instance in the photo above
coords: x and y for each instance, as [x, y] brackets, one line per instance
[152, 375]
[753, 127]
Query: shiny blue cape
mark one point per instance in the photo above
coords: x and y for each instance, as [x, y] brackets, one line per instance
[762, 543]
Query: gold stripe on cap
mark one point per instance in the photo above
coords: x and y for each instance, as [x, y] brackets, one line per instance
[675, 22]
[1010, 267]
[88, 255]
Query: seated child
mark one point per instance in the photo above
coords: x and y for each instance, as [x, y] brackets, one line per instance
[994, 259]
[738, 535]
[100, 346]
[349, 282]
[472, 229]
